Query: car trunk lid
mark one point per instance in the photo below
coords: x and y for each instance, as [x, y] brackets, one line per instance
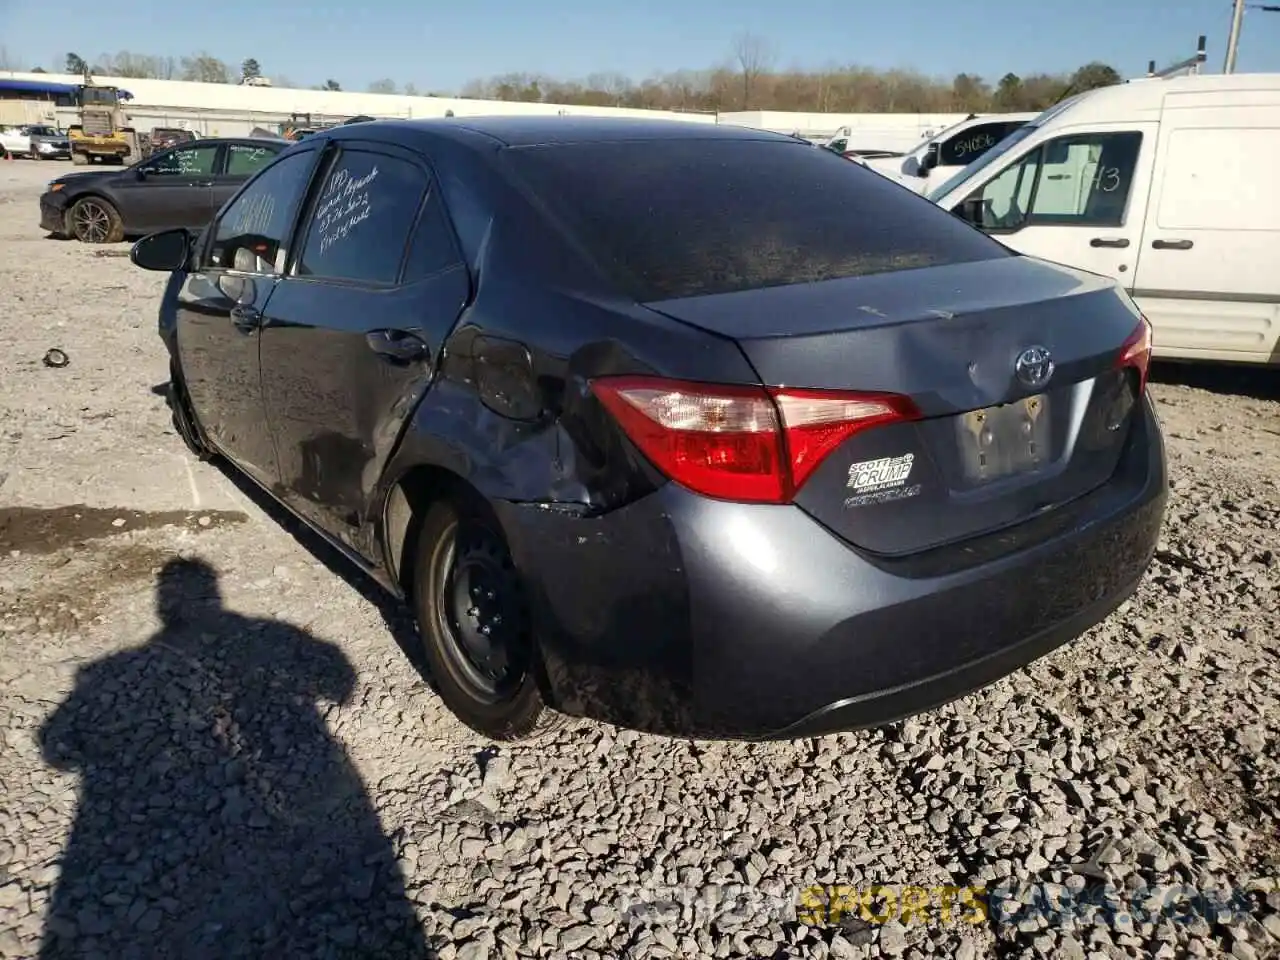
[992, 446]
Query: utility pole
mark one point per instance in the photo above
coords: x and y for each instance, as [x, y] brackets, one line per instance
[1233, 40]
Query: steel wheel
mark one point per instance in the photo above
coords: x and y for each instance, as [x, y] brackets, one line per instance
[475, 621]
[479, 609]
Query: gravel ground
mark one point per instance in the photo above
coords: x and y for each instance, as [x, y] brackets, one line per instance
[214, 746]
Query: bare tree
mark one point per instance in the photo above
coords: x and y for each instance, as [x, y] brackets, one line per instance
[205, 68]
[140, 65]
[749, 81]
[755, 56]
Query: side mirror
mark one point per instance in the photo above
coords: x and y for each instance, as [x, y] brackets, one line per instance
[970, 211]
[166, 251]
[930, 159]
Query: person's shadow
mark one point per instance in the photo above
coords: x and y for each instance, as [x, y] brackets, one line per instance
[217, 817]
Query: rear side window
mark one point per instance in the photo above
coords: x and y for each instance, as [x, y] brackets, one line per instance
[684, 218]
[244, 161]
[365, 210]
[432, 249]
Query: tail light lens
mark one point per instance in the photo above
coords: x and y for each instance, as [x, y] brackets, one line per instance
[1136, 352]
[741, 443]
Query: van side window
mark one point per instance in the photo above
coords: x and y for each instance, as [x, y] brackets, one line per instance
[1078, 180]
[968, 145]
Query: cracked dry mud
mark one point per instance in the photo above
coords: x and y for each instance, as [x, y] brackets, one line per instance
[230, 755]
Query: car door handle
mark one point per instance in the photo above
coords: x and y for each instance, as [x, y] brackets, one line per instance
[1171, 244]
[1108, 242]
[399, 346]
[246, 318]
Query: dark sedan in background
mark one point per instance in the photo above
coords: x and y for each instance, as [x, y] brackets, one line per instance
[181, 187]
[695, 429]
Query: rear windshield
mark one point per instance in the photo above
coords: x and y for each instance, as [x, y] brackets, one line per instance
[684, 218]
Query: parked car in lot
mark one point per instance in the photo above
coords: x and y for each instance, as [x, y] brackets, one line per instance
[1156, 183]
[162, 138]
[47, 143]
[181, 187]
[695, 430]
[14, 142]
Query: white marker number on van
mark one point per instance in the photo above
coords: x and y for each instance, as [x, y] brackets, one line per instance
[1107, 179]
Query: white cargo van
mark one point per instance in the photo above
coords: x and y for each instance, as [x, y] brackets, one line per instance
[1164, 184]
[939, 156]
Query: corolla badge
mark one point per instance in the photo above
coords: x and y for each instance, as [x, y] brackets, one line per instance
[1033, 367]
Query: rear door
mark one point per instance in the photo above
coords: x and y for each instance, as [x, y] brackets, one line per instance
[1214, 222]
[356, 328]
[1077, 199]
[222, 306]
[239, 162]
[171, 189]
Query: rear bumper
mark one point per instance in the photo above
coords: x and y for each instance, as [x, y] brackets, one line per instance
[692, 617]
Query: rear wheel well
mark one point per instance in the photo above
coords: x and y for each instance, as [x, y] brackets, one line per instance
[407, 504]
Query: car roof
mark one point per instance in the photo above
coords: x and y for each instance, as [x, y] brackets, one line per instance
[512, 131]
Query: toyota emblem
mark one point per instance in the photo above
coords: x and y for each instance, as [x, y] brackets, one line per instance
[1033, 367]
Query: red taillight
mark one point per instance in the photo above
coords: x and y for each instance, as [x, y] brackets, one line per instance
[741, 443]
[1136, 352]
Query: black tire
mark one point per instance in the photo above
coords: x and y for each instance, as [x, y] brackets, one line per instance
[462, 557]
[95, 220]
[184, 418]
[79, 159]
[35, 154]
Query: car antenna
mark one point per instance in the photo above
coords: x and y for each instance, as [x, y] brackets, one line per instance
[1066, 91]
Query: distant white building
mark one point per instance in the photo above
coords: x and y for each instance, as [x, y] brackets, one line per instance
[225, 109]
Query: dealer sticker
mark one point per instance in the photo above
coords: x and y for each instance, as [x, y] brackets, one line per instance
[870, 476]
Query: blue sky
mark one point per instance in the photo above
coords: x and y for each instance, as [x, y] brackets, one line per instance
[441, 46]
